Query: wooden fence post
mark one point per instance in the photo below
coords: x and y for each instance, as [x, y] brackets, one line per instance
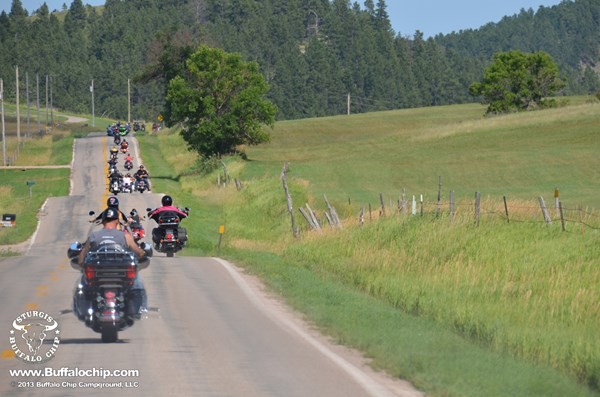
[313, 217]
[361, 216]
[334, 216]
[562, 218]
[452, 206]
[382, 204]
[477, 207]
[581, 221]
[545, 211]
[506, 209]
[289, 200]
[404, 203]
[439, 197]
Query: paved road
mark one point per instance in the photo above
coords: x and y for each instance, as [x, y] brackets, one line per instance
[216, 333]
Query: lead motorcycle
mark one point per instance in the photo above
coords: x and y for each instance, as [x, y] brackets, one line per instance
[105, 299]
[168, 237]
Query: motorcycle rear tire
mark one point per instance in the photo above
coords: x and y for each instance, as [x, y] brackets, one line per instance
[110, 333]
[170, 254]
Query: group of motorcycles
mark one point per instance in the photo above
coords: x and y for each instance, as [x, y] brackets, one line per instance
[125, 183]
[109, 296]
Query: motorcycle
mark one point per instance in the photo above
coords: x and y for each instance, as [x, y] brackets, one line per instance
[128, 165]
[112, 167]
[126, 187]
[115, 186]
[105, 299]
[141, 186]
[168, 237]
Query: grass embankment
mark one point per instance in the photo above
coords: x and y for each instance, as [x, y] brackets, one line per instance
[54, 148]
[459, 310]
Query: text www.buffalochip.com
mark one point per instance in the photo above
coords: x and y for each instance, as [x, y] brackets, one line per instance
[67, 372]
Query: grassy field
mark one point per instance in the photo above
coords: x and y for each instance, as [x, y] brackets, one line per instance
[457, 309]
[52, 148]
[519, 299]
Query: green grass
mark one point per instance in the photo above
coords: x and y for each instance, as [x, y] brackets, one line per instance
[518, 299]
[520, 155]
[14, 198]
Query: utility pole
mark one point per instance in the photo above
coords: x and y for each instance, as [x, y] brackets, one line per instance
[3, 127]
[18, 109]
[93, 116]
[47, 121]
[348, 104]
[128, 101]
[37, 83]
[28, 135]
[51, 106]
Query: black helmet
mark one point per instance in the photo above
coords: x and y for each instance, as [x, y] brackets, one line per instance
[110, 214]
[167, 200]
[112, 202]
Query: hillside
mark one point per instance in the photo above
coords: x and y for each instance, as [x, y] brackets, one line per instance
[440, 299]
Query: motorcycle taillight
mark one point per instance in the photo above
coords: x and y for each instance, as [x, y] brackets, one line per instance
[130, 273]
[90, 273]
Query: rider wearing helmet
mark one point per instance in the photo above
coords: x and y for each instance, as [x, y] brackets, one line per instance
[142, 174]
[167, 205]
[112, 202]
[111, 235]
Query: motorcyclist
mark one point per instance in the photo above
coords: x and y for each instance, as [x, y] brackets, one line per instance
[114, 151]
[135, 223]
[142, 174]
[124, 145]
[128, 181]
[111, 235]
[112, 202]
[115, 175]
[112, 164]
[167, 205]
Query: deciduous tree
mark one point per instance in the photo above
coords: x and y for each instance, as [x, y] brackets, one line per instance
[517, 81]
[220, 103]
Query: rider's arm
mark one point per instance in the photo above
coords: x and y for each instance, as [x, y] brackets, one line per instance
[134, 247]
[83, 253]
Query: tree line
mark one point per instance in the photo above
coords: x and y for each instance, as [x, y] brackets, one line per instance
[314, 54]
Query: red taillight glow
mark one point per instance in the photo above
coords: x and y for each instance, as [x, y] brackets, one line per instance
[131, 273]
[169, 236]
[90, 273]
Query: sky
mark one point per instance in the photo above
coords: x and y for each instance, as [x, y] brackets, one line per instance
[407, 16]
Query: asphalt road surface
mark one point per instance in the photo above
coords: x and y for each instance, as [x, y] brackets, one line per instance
[212, 330]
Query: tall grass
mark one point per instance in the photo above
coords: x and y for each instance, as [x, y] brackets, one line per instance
[517, 288]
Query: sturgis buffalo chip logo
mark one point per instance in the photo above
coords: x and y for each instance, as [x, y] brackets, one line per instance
[28, 333]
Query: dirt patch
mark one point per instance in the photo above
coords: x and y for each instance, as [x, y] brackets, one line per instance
[75, 119]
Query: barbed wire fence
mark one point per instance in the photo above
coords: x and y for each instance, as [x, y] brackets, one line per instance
[571, 219]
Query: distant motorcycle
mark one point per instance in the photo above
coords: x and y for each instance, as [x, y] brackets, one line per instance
[128, 165]
[126, 187]
[115, 186]
[141, 186]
